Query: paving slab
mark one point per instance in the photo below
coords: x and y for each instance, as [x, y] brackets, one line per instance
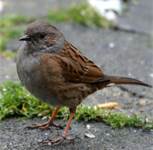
[15, 136]
[139, 17]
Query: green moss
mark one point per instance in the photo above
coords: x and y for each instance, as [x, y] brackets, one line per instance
[3, 42]
[82, 14]
[12, 20]
[8, 54]
[16, 101]
[121, 120]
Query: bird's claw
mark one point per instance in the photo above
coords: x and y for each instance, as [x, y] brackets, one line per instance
[55, 141]
[57, 126]
[39, 126]
[44, 126]
[58, 140]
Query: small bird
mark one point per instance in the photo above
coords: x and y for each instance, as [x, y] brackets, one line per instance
[56, 72]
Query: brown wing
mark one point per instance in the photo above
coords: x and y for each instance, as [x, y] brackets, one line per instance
[71, 66]
[76, 67]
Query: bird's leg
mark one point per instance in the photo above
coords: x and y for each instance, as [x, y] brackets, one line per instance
[49, 122]
[68, 124]
[64, 136]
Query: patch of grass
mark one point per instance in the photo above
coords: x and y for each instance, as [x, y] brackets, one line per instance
[12, 20]
[15, 100]
[7, 34]
[114, 119]
[3, 42]
[82, 14]
[8, 54]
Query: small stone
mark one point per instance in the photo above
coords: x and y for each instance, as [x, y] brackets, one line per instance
[142, 102]
[10, 143]
[5, 146]
[46, 134]
[88, 126]
[111, 45]
[130, 74]
[39, 140]
[39, 115]
[134, 131]
[89, 135]
[107, 134]
[49, 143]
[44, 118]
[151, 75]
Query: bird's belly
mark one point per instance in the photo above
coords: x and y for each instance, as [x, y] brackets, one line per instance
[39, 89]
[33, 80]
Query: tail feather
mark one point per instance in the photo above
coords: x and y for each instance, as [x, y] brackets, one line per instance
[121, 80]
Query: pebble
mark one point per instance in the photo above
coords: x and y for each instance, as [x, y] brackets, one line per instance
[111, 45]
[88, 126]
[142, 102]
[90, 135]
[151, 75]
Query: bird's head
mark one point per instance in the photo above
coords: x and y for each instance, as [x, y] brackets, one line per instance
[41, 36]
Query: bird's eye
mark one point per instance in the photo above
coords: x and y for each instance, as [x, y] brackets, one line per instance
[41, 36]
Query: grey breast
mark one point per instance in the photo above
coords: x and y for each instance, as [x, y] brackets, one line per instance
[31, 76]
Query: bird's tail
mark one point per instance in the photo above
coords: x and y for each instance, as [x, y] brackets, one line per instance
[121, 80]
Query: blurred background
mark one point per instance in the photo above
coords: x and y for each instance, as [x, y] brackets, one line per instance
[115, 34]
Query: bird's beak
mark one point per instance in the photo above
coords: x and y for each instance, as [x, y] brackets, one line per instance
[25, 38]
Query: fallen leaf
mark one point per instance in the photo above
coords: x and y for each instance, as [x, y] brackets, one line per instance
[109, 105]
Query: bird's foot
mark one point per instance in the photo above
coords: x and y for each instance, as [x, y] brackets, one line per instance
[58, 140]
[45, 126]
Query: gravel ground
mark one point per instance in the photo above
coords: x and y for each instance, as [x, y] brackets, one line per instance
[116, 52]
[117, 60]
[15, 136]
[139, 17]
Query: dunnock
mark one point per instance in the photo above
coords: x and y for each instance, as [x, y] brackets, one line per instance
[56, 72]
